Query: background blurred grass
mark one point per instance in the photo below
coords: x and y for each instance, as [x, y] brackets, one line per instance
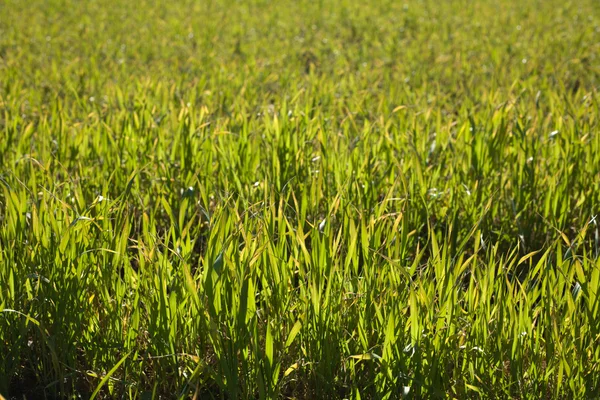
[327, 199]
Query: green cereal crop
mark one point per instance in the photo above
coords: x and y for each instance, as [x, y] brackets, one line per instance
[262, 199]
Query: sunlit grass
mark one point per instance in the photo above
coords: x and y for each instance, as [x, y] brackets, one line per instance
[266, 200]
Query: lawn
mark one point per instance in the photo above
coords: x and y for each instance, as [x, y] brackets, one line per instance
[325, 199]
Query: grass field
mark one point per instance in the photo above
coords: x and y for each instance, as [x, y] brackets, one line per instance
[299, 200]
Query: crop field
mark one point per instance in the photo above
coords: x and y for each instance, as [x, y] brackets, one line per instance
[299, 199]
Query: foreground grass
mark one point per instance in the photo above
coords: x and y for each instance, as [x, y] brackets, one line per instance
[295, 199]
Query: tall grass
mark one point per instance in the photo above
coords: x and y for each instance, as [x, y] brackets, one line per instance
[300, 199]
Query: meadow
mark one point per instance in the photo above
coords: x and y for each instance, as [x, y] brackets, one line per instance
[262, 199]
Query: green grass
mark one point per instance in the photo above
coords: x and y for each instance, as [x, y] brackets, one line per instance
[294, 199]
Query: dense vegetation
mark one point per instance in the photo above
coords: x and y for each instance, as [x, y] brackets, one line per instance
[295, 199]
